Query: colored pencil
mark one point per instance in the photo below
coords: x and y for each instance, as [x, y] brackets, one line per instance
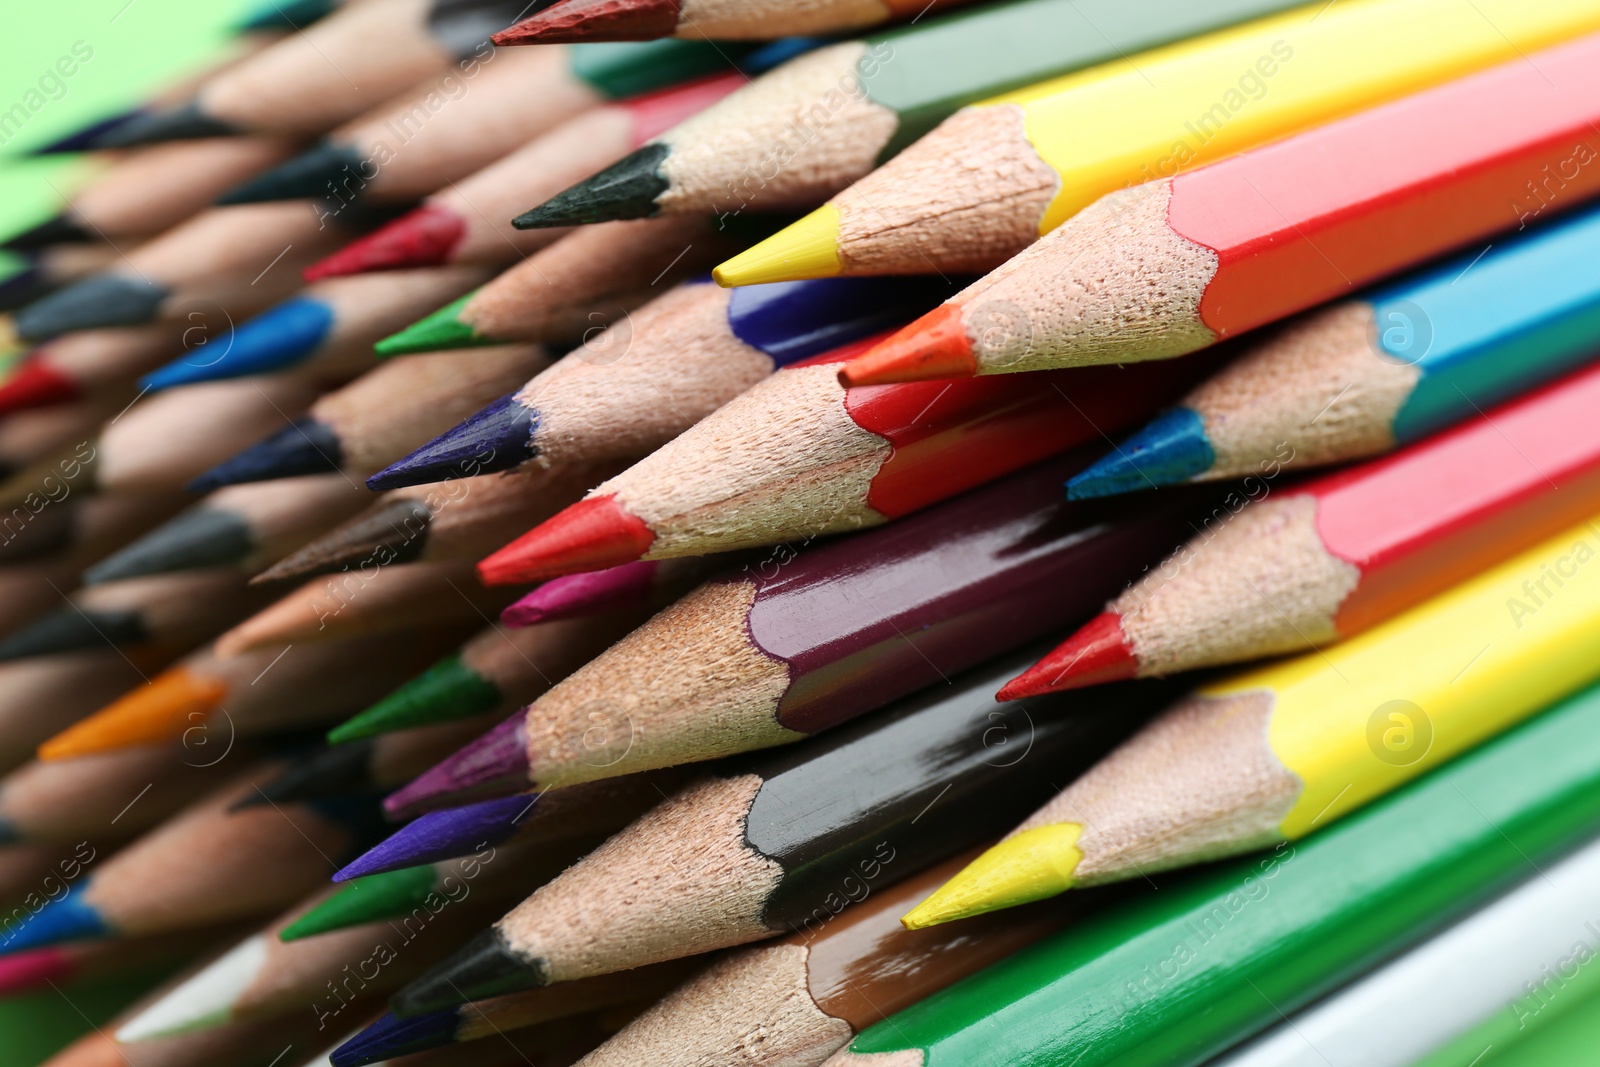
[368, 601]
[283, 15]
[153, 189]
[560, 1043]
[392, 1036]
[468, 222]
[170, 611]
[1071, 141]
[637, 384]
[371, 765]
[651, 583]
[256, 1043]
[590, 277]
[246, 527]
[809, 128]
[109, 798]
[1266, 755]
[327, 329]
[799, 455]
[263, 976]
[165, 441]
[345, 64]
[494, 672]
[1261, 937]
[46, 694]
[93, 961]
[647, 20]
[1252, 239]
[379, 417]
[1325, 560]
[47, 270]
[93, 364]
[1482, 966]
[397, 153]
[29, 437]
[810, 993]
[136, 892]
[209, 698]
[561, 814]
[221, 265]
[82, 528]
[513, 871]
[31, 588]
[459, 519]
[793, 837]
[819, 637]
[1418, 354]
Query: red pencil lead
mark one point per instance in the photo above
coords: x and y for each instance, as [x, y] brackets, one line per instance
[588, 536]
[35, 385]
[1096, 654]
[421, 238]
[934, 346]
[596, 20]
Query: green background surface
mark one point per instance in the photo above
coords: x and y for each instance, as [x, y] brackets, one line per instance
[138, 45]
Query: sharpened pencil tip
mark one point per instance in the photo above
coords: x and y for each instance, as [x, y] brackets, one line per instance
[72, 629]
[393, 531]
[101, 300]
[1171, 448]
[321, 773]
[595, 20]
[36, 384]
[61, 229]
[200, 537]
[625, 190]
[365, 900]
[498, 438]
[442, 331]
[328, 170]
[934, 346]
[186, 122]
[484, 967]
[85, 138]
[424, 237]
[1096, 654]
[495, 765]
[590, 535]
[445, 692]
[443, 835]
[69, 918]
[34, 969]
[391, 1036]
[305, 446]
[283, 15]
[275, 340]
[807, 248]
[581, 594]
[1031, 865]
[160, 710]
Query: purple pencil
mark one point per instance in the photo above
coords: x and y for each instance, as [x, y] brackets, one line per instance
[810, 636]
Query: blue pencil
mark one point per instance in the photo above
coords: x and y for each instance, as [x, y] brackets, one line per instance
[639, 383]
[329, 327]
[1362, 376]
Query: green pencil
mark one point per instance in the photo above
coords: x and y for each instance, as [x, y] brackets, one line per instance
[1177, 976]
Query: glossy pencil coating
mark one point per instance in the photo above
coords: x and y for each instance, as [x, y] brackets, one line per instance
[1429, 350]
[1322, 734]
[1072, 140]
[1327, 559]
[873, 802]
[812, 639]
[1180, 975]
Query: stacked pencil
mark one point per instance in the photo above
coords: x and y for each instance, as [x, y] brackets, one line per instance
[740, 534]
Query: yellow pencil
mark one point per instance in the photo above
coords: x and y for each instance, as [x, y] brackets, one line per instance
[995, 176]
[1271, 754]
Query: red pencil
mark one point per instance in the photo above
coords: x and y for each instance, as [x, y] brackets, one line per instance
[799, 455]
[1332, 557]
[1173, 265]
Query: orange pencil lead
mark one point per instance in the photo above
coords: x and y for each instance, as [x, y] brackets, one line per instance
[171, 703]
[934, 346]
